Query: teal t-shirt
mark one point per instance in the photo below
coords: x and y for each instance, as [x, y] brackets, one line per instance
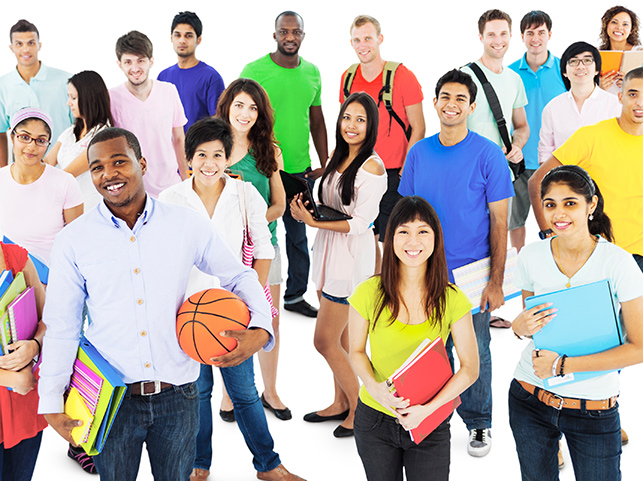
[292, 91]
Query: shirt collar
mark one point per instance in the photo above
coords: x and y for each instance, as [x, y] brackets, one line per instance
[145, 216]
[548, 64]
[41, 76]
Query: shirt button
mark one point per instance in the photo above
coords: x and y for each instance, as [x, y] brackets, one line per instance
[147, 364]
[139, 302]
[137, 270]
[143, 333]
[132, 239]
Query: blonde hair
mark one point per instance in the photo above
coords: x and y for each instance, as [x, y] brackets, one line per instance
[362, 20]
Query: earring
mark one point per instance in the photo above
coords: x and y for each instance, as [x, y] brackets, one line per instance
[591, 216]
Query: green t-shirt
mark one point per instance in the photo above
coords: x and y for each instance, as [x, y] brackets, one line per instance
[292, 91]
[247, 167]
[392, 344]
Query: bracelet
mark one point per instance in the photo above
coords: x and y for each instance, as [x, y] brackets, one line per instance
[562, 365]
[39, 348]
[517, 336]
[553, 366]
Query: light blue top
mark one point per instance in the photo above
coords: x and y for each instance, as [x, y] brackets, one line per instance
[134, 282]
[47, 91]
[541, 86]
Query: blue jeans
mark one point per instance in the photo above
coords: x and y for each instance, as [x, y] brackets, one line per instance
[166, 422]
[17, 463]
[593, 438]
[386, 448]
[297, 253]
[475, 409]
[248, 411]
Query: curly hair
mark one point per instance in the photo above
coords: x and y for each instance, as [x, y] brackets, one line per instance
[633, 38]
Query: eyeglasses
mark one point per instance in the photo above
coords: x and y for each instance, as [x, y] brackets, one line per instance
[27, 139]
[575, 62]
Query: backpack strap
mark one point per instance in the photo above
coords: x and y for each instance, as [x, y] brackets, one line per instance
[348, 79]
[386, 96]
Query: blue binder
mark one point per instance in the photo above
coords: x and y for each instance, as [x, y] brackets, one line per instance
[587, 323]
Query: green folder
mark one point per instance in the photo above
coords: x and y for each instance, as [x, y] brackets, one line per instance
[17, 286]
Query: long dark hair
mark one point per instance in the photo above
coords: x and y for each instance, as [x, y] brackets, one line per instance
[347, 179]
[93, 102]
[632, 39]
[579, 181]
[436, 278]
[261, 136]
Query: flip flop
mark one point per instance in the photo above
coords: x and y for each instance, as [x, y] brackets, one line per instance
[499, 323]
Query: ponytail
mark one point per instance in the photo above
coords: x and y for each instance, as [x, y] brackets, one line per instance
[600, 224]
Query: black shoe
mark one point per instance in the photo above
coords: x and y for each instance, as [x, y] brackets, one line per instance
[283, 414]
[302, 307]
[227, 416]
[316, 418]
[83, 459]
[342, 432]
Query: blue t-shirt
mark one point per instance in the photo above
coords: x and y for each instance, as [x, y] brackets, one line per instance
[459, 181]
[541, 86]
[199, 88]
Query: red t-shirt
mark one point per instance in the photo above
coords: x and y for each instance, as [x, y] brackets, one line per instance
[391, 143]
[19, 418]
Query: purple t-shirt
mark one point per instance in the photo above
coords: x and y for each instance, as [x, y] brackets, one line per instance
[152, 122]
[199, 88]
[459, 181]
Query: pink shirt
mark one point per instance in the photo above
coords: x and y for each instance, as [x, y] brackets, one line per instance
[31, 215]
[561, 118]
[152, 122]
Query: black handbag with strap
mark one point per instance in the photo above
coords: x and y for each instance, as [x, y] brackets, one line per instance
[496, 110]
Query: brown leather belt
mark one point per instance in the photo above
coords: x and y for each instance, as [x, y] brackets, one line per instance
[558, 402]
[147, 388]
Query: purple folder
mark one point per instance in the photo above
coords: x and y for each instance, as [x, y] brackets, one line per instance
[23, 317]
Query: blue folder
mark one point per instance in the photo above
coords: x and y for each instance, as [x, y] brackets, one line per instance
[587, 323]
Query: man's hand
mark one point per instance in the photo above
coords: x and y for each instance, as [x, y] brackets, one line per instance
[249, 341]
[515, 155]
[493, 296]
[315, 174]
[63, 425]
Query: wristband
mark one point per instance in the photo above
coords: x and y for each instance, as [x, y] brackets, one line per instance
[553, 366]
[39, 348]
[562, 365]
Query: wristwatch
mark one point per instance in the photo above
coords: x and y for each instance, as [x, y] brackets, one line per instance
[544, 233]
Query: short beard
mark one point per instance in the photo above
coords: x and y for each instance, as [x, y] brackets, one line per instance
[286, 53]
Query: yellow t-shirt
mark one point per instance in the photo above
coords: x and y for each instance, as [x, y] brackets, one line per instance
[392, 344]
[614, 159]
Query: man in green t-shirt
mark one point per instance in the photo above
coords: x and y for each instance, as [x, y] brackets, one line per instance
[294, 88]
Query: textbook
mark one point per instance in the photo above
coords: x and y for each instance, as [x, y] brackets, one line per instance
[474, 277]
[620, 61]
[420, 378]
[587, 323]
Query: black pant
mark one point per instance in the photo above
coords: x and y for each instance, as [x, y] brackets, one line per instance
[389, 199]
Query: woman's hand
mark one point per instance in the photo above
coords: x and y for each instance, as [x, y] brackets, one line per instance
[299, 211]
[383, 395]
[543, 362]
[608, 79]
[412, 416]
[530, 321]
[23, 353]
[25, 380]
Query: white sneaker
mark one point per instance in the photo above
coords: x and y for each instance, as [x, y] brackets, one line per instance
[479, 442]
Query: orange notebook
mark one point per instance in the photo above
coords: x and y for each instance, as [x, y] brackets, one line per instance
[420, 379]
[610, 60]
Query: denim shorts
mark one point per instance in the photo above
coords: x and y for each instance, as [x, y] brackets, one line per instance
[338, 300]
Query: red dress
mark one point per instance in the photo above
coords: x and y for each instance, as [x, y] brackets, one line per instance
[19, 418]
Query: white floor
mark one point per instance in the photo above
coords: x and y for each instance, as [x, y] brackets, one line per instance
[310, 450]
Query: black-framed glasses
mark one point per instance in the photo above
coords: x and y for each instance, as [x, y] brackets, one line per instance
[575, 62]
[27, 139]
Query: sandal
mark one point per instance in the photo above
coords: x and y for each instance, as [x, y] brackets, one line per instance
[499, 323]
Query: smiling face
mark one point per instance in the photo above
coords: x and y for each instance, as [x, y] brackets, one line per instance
[184, 40]
[453, 104]
[366, 42]
[25, 46]
[243, 112]
[135, 68]
[536, 39]
[209, 163]
[566, 211]
[354, 124]
[619, 27]
[413, 243]
[29, 154]
[289, 33]
[116, 172]
[495, 38]
[581, 74]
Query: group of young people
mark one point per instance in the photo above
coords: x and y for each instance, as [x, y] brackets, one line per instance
[212, 156]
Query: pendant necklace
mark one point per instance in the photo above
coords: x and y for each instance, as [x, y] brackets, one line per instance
[560, 264]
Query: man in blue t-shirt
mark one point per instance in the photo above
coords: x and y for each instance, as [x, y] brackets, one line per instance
[465, 178]
[540, 74]
[199, 85]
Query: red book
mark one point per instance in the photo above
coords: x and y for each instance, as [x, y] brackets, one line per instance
[420, 379]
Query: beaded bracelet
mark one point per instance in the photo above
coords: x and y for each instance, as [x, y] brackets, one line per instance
[562, 365]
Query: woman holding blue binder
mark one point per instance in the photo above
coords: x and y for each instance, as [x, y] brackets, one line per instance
[585, 411]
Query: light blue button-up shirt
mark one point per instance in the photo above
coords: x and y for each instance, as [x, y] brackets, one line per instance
[133, 281]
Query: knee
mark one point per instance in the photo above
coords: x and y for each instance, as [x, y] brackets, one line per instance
[324, 345]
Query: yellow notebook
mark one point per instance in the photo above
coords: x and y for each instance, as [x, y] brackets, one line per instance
[76, 408]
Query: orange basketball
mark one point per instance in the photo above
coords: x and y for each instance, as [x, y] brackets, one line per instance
[203, 316]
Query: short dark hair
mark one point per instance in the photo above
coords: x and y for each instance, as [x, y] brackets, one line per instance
[188, 18]
[636, 73]
[491, 15]
[112, 133]
[22, 26]
[459, 77]
[289, 13]
[205, 130]
[135, 43]
[535, 19]
[575, 49]
[93, 101]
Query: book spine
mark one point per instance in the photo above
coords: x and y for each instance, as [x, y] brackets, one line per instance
[12, 324]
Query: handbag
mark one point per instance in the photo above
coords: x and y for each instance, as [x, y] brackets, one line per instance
[249, 247]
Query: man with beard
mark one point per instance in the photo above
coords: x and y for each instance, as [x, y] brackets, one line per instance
[152, 110]
[294, 88]
[199, 85]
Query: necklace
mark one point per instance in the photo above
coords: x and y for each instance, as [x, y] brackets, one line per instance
[559, 263]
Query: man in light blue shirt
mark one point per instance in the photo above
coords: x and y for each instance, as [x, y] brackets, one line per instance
[540, 74]
[31, 84]
[129, 261]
